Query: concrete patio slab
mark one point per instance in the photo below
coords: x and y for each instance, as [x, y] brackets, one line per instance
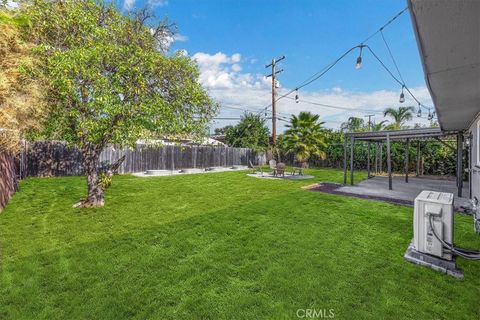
[164, 173]
[377, 187]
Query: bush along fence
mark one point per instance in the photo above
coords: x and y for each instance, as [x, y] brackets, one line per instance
[435, 158]
[8, 179]
[54, 158]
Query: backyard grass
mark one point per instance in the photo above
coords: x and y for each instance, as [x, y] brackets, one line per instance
[219, 246]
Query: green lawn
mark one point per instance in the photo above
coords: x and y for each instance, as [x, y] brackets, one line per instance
[220, 245]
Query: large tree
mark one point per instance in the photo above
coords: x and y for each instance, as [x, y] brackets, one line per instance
[399, 116]
[250, 132]
[111, 81]
[305, 136]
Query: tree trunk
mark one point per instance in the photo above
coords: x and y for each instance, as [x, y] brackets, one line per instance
[95, 196]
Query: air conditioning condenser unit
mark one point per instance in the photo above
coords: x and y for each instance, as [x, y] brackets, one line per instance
[432, 229]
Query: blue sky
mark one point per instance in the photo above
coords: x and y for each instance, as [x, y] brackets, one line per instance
[233, 40]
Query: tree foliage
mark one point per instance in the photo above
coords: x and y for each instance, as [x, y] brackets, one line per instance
[22, 101]
[399, 116]
[223, 130]
[379, 126]
[305, 137]
[110, 80]
[250, 132]
[353, 124]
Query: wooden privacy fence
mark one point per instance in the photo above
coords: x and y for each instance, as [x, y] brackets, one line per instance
[8, 179]
[54, 158]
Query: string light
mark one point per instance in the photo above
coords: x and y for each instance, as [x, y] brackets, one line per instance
[430, 116]
[402, 96]
[358, 64]
[328, 67]
[419, 113]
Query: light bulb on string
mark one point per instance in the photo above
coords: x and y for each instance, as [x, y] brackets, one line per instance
[358, 64]
[297, 99]
[402, 96]
[429, 115]
[419, 113]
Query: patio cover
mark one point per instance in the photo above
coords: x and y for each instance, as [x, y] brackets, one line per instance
[405, 135]
[414, 134]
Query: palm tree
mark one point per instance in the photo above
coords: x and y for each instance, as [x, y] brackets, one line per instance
[379, 126]
[353, 124]
[305, 136]
[400, 116]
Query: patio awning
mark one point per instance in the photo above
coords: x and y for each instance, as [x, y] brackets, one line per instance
[448, 37]
[406, 136]
[412, 134]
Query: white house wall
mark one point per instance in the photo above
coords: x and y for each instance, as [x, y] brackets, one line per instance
[475, 160]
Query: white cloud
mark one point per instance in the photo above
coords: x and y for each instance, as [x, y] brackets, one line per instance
[180, 37]
[221, 75]
[158, 3]
[236, 67]
[169, 40]
[220, 71]
[9, 4]
[128, 4]
[236, 57]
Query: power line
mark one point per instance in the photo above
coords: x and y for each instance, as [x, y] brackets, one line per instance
[227, 118]
[361, 46]
[336, 107]
[329, 66]
[319, 74]
[240, 108]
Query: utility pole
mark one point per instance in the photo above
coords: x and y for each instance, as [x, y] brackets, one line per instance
[274, 96]
[370, 121]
